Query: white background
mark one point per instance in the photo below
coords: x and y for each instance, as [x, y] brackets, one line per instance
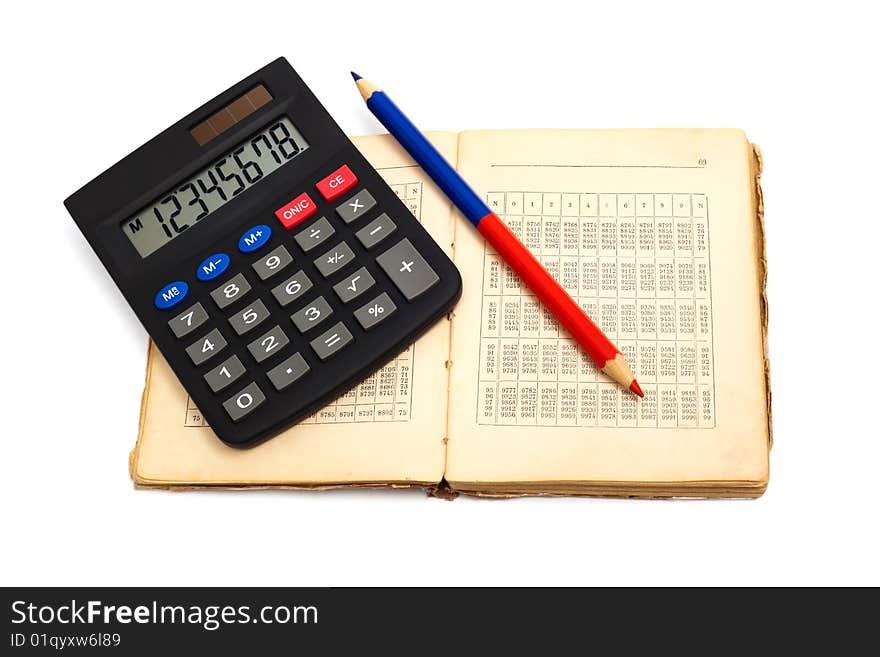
[83, 87]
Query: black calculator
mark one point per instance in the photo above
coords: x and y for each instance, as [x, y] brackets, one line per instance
[267, 259]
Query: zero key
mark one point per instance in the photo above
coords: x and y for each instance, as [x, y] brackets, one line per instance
[409, 271]
[244, 403]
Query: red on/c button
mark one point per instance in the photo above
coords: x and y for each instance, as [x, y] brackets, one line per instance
[337, 183]
[298, 210]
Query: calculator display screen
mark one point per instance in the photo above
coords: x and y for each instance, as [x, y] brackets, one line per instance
[197, 197]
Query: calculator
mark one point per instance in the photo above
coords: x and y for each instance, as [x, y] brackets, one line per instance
[267, 259]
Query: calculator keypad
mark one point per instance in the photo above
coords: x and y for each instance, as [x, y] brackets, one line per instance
[292, 289]
[297, 211]
[376, 231]
[249, 318]
[231, 291]
[227, 372]
[212, 267]
[375, 311]
[409, 271]
[171, 295]
[188, 321]
[244, 402]
[354, 285]
[335, 259]
[207, 347]
[283, 281]
[311, 314]
[288, 372]
[332, 340]
[356, 207]
[318, 233]
[255, 238]
[269, 344]
[337, 183]
[273, 263]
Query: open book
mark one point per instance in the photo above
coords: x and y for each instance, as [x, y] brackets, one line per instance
[657, 233]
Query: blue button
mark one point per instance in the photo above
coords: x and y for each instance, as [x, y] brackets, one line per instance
[171, 295]
[212, 267]
[254, 239]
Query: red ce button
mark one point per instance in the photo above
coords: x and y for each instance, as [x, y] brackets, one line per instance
[337, 183]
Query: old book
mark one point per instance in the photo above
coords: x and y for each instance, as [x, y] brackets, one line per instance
[657, 233]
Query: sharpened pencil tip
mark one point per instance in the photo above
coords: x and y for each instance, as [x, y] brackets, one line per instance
[636, 388]
[355, 76]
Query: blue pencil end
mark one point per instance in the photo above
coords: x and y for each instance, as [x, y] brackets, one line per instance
[355, 76]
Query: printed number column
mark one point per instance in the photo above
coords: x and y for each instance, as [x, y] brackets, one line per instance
[703, 303]
[487, 404]
[588, 298]
[646, 261]
[548, 341]
[667, 370]
[626, 295]
[685, 312]
[562, 209]
[609, 396]
[511, 321]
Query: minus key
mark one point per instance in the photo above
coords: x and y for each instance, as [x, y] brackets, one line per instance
[376, 231]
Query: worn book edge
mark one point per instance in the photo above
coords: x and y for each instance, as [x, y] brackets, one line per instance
[758, 164]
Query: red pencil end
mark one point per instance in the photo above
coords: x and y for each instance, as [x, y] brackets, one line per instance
[636, 388]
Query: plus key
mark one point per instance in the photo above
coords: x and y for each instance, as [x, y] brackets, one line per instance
[409, 271]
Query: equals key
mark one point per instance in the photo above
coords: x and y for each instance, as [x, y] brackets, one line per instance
[331, 341]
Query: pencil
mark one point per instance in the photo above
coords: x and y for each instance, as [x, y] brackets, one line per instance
[569, 314]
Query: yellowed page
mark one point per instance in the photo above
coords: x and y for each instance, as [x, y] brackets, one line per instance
[654, 232]
[390, 428]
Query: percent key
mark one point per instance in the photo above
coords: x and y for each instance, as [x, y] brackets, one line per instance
[375, 311]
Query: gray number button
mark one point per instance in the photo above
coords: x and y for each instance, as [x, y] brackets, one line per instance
[288, 372]
[210, 345]
[245, 402]
[314, 235]
[376, 231]
[225, 373]
[375, 311]
[189, 320]
[408, 269]
[331, 341]
[231, 291]
[356, 207]
[354, 285]
[272, 263]
[244, 320]
[335, 259]
[312, 314]
[269, 344]
[292, 289]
